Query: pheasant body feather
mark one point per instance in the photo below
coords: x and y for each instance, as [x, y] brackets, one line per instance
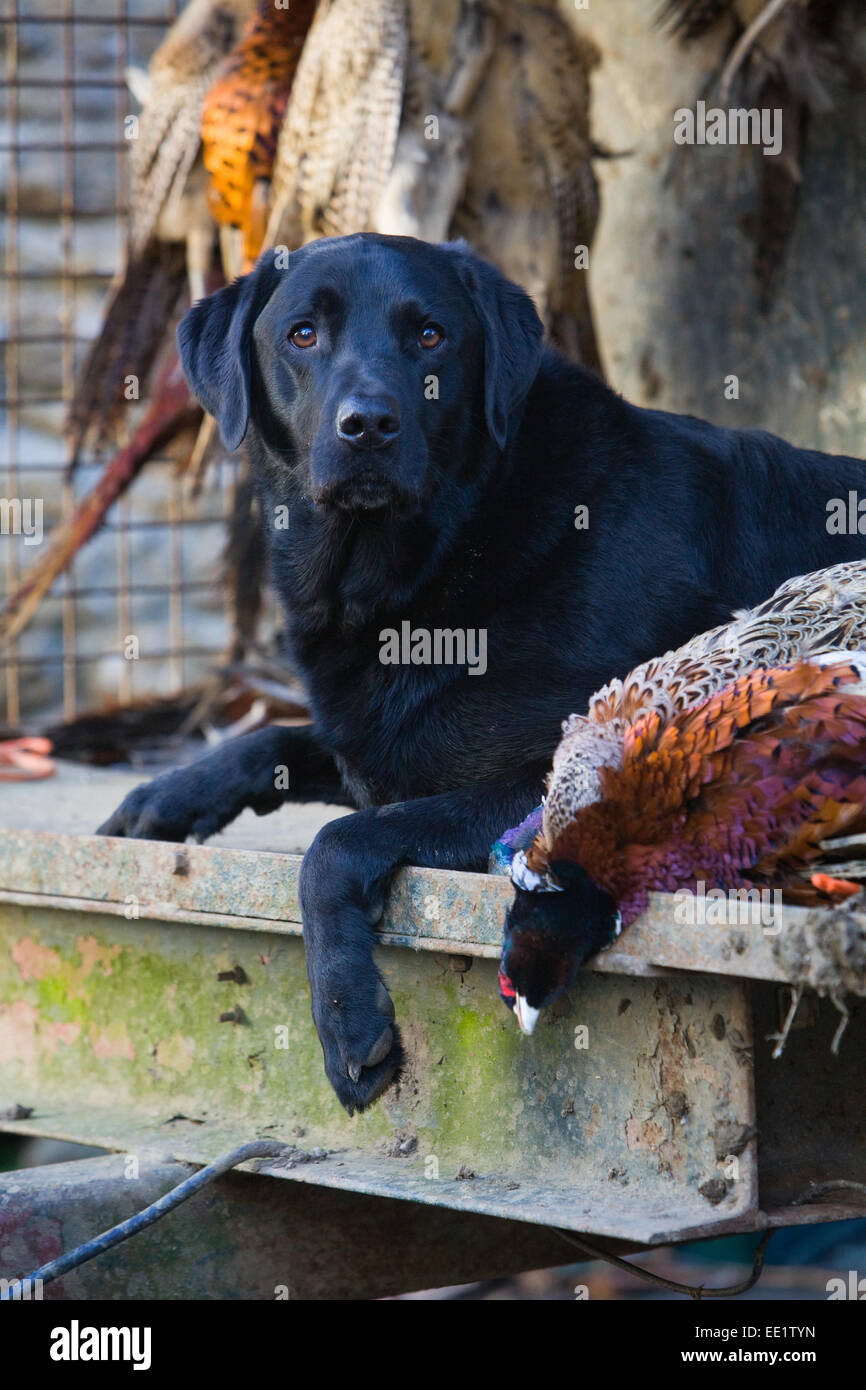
[531, 197]
[805, 618]
[738, 792]
[242, 115]
[180, 73]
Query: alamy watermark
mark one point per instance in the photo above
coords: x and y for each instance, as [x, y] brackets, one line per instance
[77, 1343]
[438, 646]
[738, 125]
[846, 516]
[22, 516]
[21, 1290]
[733, 907]
[852, 1288]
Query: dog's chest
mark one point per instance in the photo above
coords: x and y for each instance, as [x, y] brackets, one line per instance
[371, 716]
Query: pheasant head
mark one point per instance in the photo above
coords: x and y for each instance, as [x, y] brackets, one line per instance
[549, 934]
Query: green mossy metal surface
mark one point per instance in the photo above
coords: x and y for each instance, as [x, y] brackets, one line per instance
[123, 1018]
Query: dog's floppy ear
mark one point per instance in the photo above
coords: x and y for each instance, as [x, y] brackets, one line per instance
[215, 342]
[513, 335]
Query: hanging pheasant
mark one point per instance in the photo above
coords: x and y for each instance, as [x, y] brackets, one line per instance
[736, 760]
[448, 60]
[241, 120]
[781, 58]
[242, 116]
[337, 144]
[171, 232]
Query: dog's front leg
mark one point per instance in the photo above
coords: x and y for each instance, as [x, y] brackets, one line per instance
[260, 770]
[344, 878]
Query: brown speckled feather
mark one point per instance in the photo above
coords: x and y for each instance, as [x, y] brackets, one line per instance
[807, 615]
[166, 208]
[337, 142]
[181, 72]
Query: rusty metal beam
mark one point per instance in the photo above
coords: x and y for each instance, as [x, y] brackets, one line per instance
[248, 1237]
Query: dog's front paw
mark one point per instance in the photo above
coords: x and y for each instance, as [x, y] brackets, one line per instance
[171, 807]
[360, 1041]
[200, 799]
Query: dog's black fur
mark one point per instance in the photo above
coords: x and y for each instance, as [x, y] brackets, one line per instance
[456, 512]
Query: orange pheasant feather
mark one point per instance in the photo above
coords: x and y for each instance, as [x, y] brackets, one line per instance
[243, 113]
[741, 790]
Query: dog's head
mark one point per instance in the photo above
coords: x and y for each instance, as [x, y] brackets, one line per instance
[372, 364]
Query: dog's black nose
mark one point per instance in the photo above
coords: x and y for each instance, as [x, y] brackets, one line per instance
[368, 422]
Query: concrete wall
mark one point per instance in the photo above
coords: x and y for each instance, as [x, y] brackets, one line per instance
[671, 269]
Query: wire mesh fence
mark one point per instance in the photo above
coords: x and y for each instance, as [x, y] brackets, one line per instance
[153, 569]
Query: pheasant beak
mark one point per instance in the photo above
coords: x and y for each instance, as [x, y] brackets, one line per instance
[527, 1017]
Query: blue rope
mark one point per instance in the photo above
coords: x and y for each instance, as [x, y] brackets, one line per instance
[259, 1148]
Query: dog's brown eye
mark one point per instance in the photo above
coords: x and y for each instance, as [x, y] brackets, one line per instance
[303, 335]
[431, 335]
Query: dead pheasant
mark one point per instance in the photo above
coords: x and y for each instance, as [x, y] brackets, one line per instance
[804, 618]
[245, 109]
[736, 761]
[171, 231]
[337, 144]
[242, 116]
[450, 49]
[781, 57]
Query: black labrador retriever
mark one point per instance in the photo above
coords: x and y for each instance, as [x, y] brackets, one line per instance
[468, 535]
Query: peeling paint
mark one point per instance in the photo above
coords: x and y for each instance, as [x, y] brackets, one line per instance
[95, 953]
[65, 1033]
[18, 1024]
[644, 1134]
[177, 1053]
[35, 961]
[111, 1042]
